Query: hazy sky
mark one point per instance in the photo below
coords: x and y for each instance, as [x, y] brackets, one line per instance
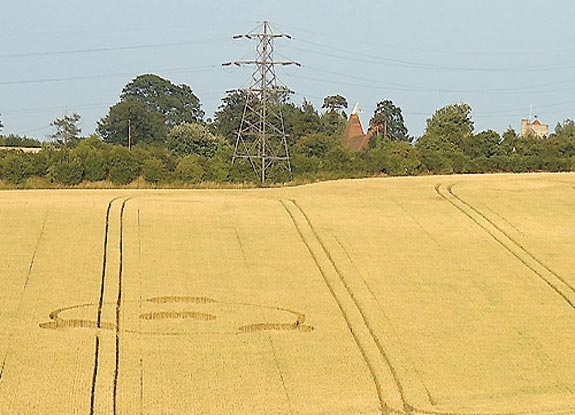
[500, 56]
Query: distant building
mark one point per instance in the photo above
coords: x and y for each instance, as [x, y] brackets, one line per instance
[536, 128]
[354, 137]
[24, 149]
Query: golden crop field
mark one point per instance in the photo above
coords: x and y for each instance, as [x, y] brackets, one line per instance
[433, 295]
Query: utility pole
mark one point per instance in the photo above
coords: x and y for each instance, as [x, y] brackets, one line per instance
[129, 135]
[385, 129]
[262, 140]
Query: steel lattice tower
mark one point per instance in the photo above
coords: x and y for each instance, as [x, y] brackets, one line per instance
[262, 140]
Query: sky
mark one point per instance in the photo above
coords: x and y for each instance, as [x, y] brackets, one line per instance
[503, 57]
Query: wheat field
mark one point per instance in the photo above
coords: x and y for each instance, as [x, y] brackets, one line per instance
[432, 295]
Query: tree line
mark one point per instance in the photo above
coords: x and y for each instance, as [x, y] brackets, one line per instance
[158, 132]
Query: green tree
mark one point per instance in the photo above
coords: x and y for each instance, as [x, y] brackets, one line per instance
[188, 139]
[153, 171]
[315, 145]
[13, 140]
[333, 123]
[131, 121]
[388, 121]
[1, 125]
[439, 156]
[335, 103]
[13, 167]
[67, 129]
[123, 166]
[484, 144]
[300, 121]
[395, 158]
[565, 129]
[217, 168]
[66, 169]
[452, 123]
[177, 103]
[92, 153]
[311, 152]
[228, 117]
[190, 169]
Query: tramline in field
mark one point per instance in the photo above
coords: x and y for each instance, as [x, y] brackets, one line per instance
[436, 295]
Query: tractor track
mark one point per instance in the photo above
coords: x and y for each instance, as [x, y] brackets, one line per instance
[101, 303]
[407, 409]
[100, 307]
[406, 406]
[119, 308]
[508, 243]
[517, 243]
[380, 395]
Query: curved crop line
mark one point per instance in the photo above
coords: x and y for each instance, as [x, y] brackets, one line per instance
[382, 403]
[300, 316]
[518, 244]
[177, 315]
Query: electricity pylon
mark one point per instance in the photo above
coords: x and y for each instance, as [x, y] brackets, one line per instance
[262, 140]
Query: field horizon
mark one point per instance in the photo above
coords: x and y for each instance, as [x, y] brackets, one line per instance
[439, 295]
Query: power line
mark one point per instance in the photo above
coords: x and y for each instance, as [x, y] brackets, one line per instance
[107, 49]
[430, 50]
[378, 84]
[406, 64]
[196, 69]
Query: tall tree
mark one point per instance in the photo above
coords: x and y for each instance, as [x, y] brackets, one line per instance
[177, 103]
[188, 139]
[301, 121]
[485, 144]
[452, 123]
[228, 117]
[335, 103]
[388, 121]
[1, 125]
[67, 129]
[131, 122]
[565, 129]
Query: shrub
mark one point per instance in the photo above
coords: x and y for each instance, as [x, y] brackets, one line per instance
[123, 167]
[153, 171]
[13, 169]
[190, 169]
[67, 171]
[188, 139]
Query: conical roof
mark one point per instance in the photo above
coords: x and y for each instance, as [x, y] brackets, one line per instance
[354, 137]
